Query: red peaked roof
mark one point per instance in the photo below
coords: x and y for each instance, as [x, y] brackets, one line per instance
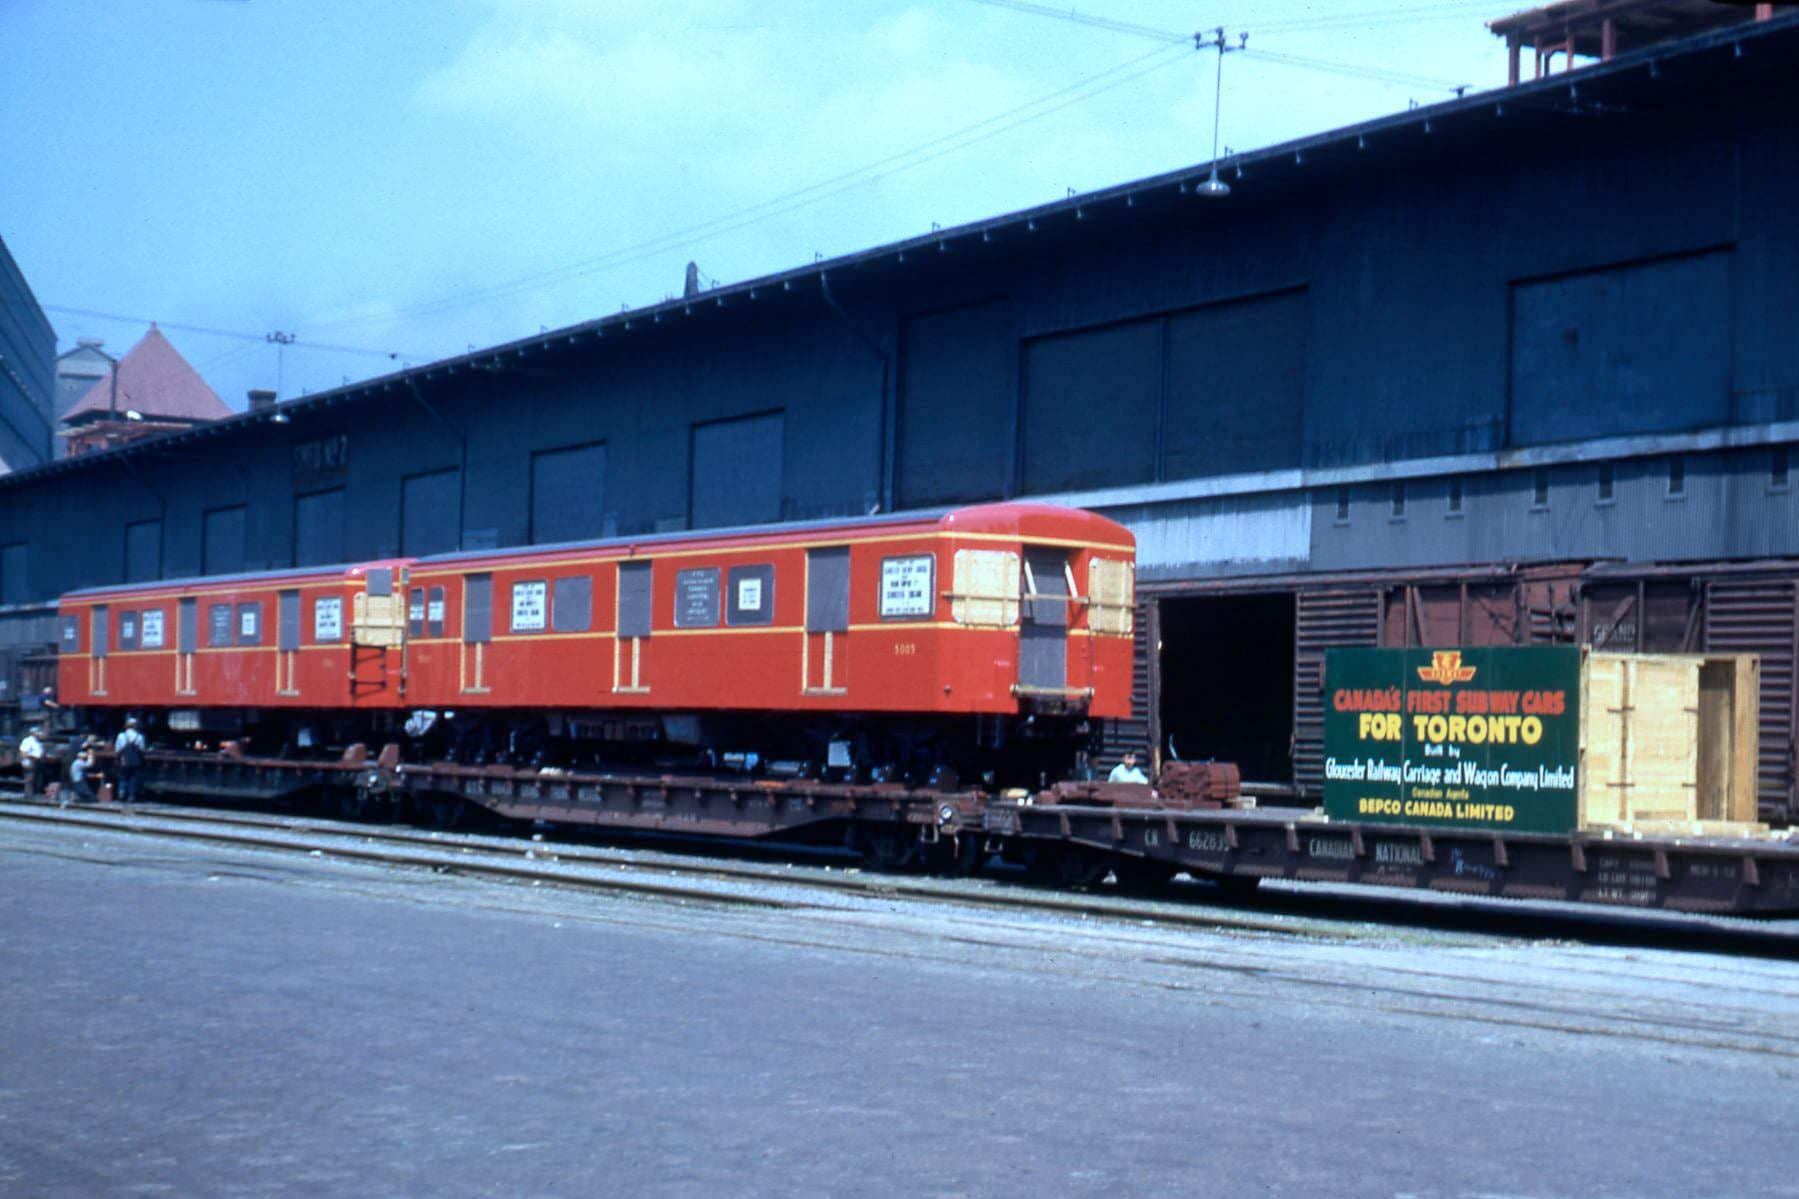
[155, 380]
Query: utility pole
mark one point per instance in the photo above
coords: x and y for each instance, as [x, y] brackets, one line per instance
[1214, 186]
[280, 341]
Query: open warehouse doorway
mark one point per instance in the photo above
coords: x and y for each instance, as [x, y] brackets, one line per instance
[1227, 681]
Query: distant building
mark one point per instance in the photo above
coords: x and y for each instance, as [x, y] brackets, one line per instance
[27, 348]
[1600, 30]
[77, 371]
[152, 389]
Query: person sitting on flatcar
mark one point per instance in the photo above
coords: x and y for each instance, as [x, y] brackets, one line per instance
[1126, 771]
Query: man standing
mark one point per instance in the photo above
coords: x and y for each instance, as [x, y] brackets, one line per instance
[1126, 771]
[32, 752]
[129, 748]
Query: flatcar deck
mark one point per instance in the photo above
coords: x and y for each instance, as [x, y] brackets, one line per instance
[1759, 877]
[1723, 876]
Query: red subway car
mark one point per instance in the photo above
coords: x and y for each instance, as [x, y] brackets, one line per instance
[980, 635]
[326, 639]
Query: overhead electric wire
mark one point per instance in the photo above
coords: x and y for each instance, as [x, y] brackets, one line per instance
[959, 139]
[1376, 74]
[1295, 25]
[1382, 16]
[235, 334]
[1080, 18]
[970, 135]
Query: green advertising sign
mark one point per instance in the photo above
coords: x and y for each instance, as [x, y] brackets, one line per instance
[1474, 738]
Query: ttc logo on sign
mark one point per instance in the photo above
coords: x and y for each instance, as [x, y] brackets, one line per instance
[1446, 668]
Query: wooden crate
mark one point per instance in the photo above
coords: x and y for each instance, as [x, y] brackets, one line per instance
[1669, 739]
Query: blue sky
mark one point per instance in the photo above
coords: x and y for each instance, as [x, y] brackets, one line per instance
[415, 178]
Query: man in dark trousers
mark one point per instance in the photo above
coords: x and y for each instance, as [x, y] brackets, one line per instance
[33, 754]
[129, 749]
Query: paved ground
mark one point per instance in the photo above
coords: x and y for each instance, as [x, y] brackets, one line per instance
[196, 1022]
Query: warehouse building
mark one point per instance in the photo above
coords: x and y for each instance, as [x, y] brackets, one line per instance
[27, 351]
[1517, 367]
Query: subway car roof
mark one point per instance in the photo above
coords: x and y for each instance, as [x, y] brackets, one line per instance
[1023, 519]
[337, 570]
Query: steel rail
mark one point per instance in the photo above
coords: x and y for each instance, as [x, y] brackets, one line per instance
[132, 821]
[1499, 917]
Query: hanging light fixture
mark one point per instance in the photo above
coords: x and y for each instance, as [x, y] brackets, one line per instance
[1214, 186]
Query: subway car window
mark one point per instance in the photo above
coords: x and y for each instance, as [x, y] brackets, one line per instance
[750, 595]
[571, 607]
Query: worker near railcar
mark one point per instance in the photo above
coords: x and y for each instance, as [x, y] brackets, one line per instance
[1127, 771]
[129, 749]
[84, 768]
[33, 757]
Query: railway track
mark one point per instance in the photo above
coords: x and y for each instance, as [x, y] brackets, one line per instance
[561, 863]
[1573, 992]
[1321, 913]
[1564, 988]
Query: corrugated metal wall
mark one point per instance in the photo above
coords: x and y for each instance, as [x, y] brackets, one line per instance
[1757, 616]
[736, 471]
[428, 513]
[1327, 618]
[1139, 732]
[224, 535]
[1631, 348]
[568, 493]
[143, 551]
[957, 401]
[320, 525]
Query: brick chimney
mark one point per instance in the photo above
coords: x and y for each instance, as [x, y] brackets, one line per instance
[261, 399]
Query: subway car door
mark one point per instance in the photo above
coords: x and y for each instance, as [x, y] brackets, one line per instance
[96, 662]
[287, 643]
[477, 633]
[187, 643]
[824, 662]
[636, 614]
[1043, 622]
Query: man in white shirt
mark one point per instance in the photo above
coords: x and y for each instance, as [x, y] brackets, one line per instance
[1126, 771]
[32, 752]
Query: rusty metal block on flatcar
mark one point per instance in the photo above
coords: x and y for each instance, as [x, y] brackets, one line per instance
[1200, 784]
